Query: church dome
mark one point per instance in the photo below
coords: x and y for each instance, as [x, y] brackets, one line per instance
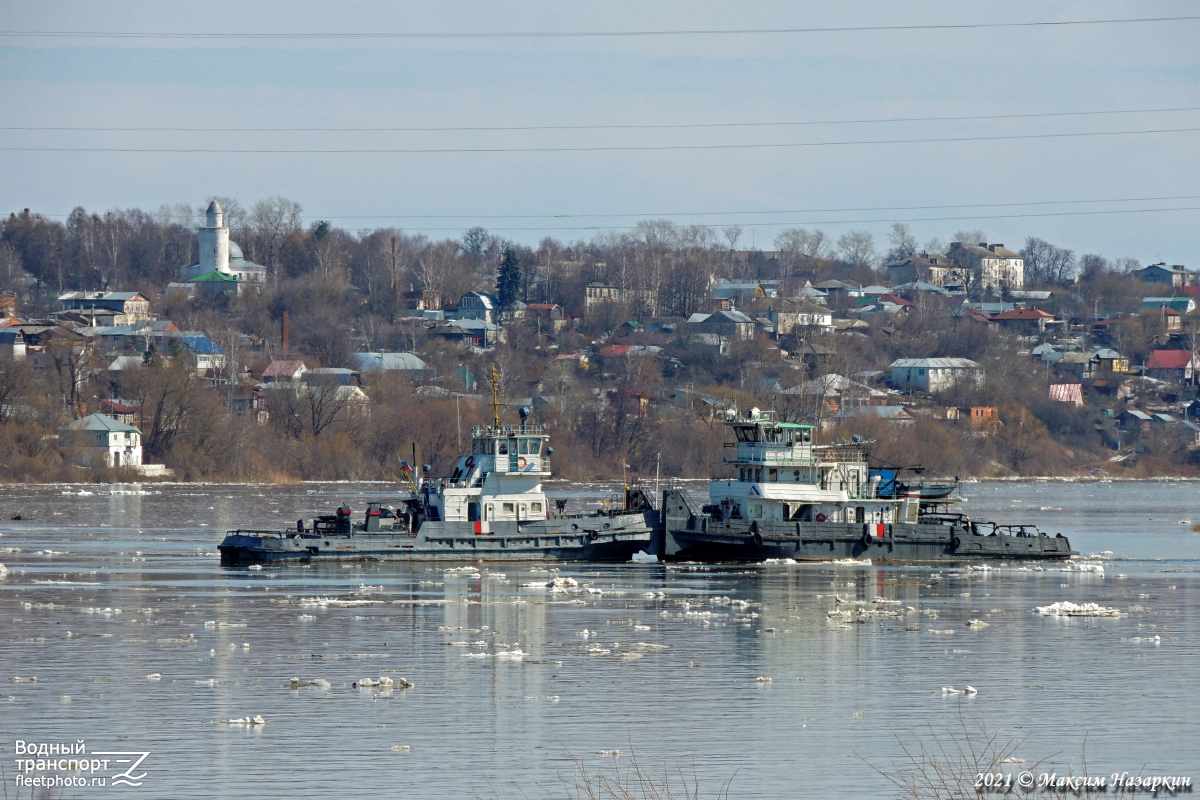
[235, 252]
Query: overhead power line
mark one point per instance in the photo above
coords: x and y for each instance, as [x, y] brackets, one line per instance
[601, 126]
[585, 34]
[648, 215]
[586, 149]
[796, 223]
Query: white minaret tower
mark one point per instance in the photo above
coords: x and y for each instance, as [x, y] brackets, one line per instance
[214, 241]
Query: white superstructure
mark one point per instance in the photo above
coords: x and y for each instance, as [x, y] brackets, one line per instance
[501, 479]
[783, 475]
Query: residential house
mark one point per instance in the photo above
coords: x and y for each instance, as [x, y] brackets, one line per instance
[937, 270]
[203, 353]
[995, 266]
[729, 325]
[470, 332]
[288, 371]
[126, 411]
[801, 317]
[1174, 275]
[639, 300]
[122, 307]
[548, 317]
[1175, 366]
[835, 391]
[729, 294]
[331, 376]
[12, 343]
[105, 442]
[1184, 305]
[1109, 360]
[389, 362]
[1172, 320]
[896, 415]
[1024, 320]
[478, 306]
[1067, 393]
[934, 374]
[422, 300]
[248, 401]
[1085, 365]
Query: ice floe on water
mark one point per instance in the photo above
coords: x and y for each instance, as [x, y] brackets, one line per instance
[1065, 608]
[255, 721]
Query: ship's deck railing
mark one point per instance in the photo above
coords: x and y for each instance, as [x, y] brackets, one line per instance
[508, 430]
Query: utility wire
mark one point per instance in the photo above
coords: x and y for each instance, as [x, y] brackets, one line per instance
[864, 221]
[647, 215]
[613, 126]
[584, 149]
[585, 34]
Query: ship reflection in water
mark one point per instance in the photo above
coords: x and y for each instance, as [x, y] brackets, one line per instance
[517, 666]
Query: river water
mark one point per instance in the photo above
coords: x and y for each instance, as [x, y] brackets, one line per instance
[107, 585]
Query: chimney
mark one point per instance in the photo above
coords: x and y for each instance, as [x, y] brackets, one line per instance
[285, 334]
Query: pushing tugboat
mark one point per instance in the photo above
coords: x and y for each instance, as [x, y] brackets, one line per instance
[796, 499]
[490, 506]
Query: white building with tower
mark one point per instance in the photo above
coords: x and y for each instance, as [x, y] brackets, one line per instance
[219, 254]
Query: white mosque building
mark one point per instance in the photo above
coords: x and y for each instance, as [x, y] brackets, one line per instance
[220, 255]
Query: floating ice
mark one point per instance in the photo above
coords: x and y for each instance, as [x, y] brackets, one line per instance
[565, 583]
[780, 561]
[254, 721]
[255, 566]
[976, 623]
[154, 676]
[401, 748]
[858, 562]
[642, 557]
[609, 753]
[3, 571]
[970, 691]
[535, 585]
[761, 679]
[1065, 608]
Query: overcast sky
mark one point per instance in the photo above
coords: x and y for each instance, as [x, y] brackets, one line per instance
[699, 79]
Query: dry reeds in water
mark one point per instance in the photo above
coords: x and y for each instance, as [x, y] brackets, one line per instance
[625, 779]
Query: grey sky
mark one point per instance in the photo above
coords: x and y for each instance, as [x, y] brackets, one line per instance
[652, 80]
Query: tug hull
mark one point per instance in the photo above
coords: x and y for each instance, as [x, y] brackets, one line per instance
[688, 535]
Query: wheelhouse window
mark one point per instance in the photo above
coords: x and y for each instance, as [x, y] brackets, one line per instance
[535, 508]
[535, 446]
[523, 446]
[507, 508]
[504, 447]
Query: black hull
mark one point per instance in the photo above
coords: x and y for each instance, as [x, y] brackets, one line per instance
[610, 538]
[690, 536]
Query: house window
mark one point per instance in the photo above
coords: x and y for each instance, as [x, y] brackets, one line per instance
[536, 508]
[507, 508]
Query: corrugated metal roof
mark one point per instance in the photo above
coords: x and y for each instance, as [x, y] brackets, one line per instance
[389, 361]
[936, 363]
[99, 422]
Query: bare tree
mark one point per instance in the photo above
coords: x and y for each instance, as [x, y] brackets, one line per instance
[272, 220]
[901, 243]
[858, 248]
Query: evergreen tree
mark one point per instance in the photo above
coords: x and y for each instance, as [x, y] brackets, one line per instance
[509, 279]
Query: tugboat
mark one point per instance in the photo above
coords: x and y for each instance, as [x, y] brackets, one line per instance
[795, 499]
[490, 506]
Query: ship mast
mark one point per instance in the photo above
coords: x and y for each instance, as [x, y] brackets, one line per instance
[496, 404]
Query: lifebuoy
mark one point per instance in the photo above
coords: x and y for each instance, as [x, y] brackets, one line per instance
[821, 517]
[521, 462]
[829, 456]
[756, 539]
[955, 542]
[867, 539]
